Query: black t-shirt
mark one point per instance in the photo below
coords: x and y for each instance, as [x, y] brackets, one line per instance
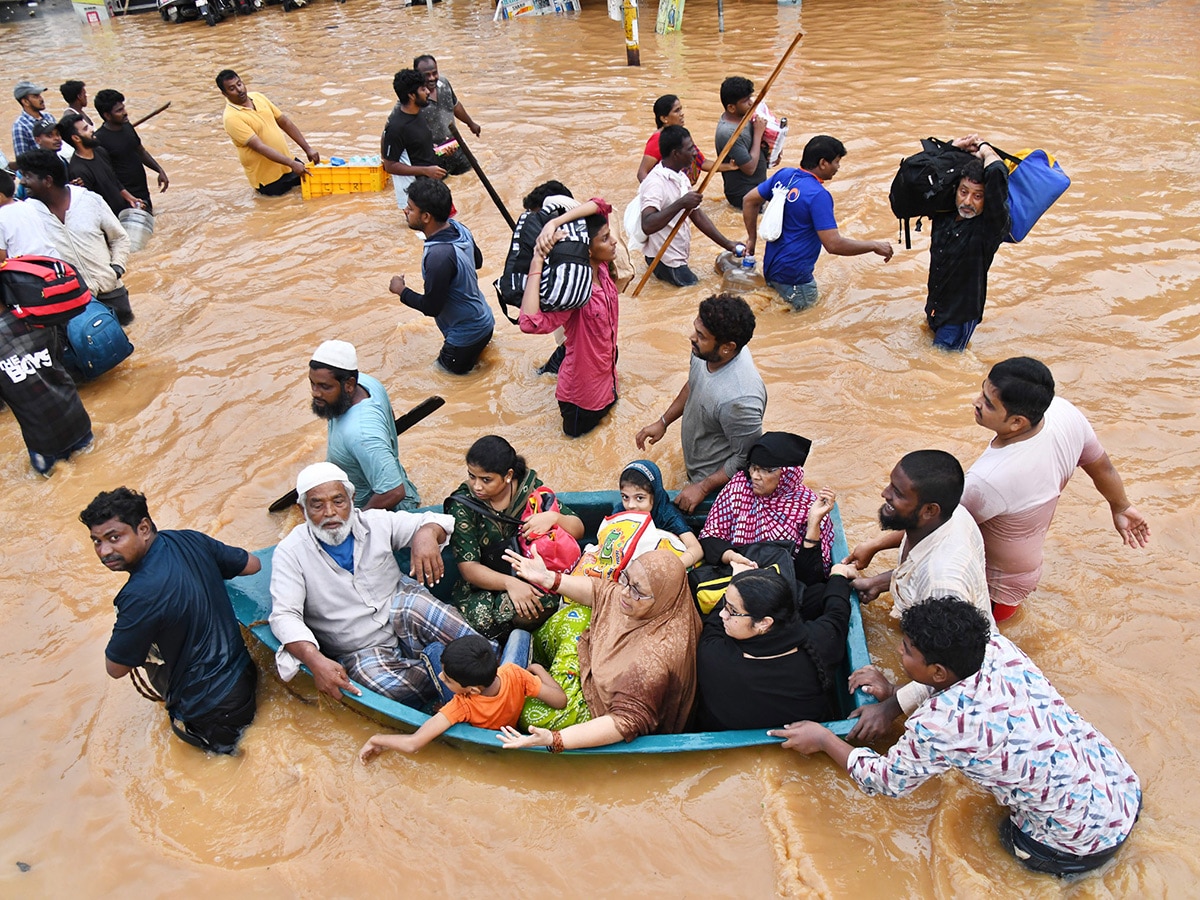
[961, 252]
[176, 599]
[407, 132]
[98, 175]
[125, 150]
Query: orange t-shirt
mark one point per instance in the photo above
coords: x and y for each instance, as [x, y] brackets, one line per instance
[493, 712]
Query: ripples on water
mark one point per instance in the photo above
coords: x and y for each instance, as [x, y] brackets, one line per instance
[210, 419]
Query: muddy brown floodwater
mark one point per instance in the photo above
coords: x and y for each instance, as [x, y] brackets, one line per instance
[210, 418]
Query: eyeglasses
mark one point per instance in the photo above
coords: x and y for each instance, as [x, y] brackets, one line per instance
[763, 470]
[623, 581]
[735, 615]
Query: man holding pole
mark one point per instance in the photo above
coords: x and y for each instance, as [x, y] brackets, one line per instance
[666, 195]
[130, 159]
[749, 154]
[443, 108]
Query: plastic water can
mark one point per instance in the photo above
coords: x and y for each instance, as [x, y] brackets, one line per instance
[745, 277]
[777, 147]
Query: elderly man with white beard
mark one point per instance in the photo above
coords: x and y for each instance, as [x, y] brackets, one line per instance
[340, 604]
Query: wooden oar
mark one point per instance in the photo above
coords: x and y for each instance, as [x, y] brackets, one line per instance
[720, 158]
[479, 171]
[151, 115]
[405, 422]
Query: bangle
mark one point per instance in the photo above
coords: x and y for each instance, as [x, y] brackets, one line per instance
[663, 419]
[813, 541]
[556, 742]
[557, 582]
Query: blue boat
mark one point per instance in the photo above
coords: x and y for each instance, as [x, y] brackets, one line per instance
[251, 598]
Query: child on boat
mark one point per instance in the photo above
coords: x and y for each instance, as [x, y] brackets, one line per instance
[1072, 797]
[484, 696]
[642, 491]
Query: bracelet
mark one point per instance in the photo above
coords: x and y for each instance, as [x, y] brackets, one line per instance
[557, 582]
[556, 742]
[813, 541]
[663, 419]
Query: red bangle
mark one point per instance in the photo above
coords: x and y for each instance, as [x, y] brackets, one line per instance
[556, 742]
[557, 582]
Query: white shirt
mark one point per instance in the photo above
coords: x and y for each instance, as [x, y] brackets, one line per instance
[91, 240]
[660, 189]
[314, 599]
[22, 231]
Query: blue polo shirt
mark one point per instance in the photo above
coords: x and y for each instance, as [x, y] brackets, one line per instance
[809, 209]
[176, 599]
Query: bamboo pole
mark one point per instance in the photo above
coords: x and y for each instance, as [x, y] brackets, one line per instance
[721, 157]
[151, 115]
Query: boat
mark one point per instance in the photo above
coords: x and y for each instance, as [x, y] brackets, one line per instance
[251, 598]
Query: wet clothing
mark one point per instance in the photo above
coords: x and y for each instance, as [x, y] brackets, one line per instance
[808, 209]
[38, 389]
[125, 152]
[961, 252]
[452, 295]
[175, 599]
[692, 171]
[98, 175]
[91, 239]
[439, 116]
[723, 416]
[737, 183]
[22, 132]
[773, 679]
[495, 712]
[243, 123]
[481, 539]
[406, 139]
[22, 231]
[1007, 729]
[362, 442]
[660, 189]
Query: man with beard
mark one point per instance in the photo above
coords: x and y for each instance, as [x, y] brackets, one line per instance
[963, 244]
[81, 227]
[175, 607]
[258, 128]
[941, 555]
[407, 142]
[129, 157]
[722, 404]
[362, 428]
[33, 110]
[444, 107]
[91, 165]
[340, 604]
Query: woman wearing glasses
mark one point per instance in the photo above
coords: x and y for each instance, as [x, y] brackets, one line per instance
[768, 501]
[624, 653]
[760, 663]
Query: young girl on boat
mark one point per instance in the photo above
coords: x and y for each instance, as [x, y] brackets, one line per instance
[642, 491]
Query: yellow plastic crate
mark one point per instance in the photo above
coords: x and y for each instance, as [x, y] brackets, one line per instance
[324, 180]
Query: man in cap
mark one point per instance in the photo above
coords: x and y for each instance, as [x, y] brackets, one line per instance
[33, 109]
[46, 136]
[362, 428]
[340, 604]
[130, 158]
[174, 606]
[81, 227]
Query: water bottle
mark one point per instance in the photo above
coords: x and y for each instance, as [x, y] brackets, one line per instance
[777, 150]
[744, 278]
[729, 260]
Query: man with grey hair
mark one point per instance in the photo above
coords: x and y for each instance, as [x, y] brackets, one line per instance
[340, 604]
[362, 428]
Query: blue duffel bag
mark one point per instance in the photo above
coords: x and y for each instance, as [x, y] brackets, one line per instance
[1035, 181]
[96, 342]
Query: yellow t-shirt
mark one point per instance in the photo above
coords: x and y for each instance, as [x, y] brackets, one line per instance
[243, 123]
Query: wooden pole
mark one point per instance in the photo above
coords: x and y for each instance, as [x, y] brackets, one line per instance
[721, 158]
[633, 55]
[479, 171]
[151, 115]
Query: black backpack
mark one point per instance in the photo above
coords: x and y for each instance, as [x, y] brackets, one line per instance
[926, 182]
[511, 285]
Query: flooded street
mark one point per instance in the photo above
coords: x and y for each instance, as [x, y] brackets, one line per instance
[210, 418]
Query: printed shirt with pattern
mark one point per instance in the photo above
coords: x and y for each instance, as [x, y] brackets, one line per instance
[1007, 729]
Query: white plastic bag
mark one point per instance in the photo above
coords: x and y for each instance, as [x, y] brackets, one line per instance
[771, 227]
[632, 221]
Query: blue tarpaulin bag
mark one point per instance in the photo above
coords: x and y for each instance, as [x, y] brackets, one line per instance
[96, 342]
[1035, 181]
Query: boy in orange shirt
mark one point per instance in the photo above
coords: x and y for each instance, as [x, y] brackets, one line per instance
[484, 696]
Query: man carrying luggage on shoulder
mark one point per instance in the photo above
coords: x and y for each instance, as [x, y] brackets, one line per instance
[963, 244]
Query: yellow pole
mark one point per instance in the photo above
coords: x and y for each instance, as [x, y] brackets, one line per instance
[633, 55]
